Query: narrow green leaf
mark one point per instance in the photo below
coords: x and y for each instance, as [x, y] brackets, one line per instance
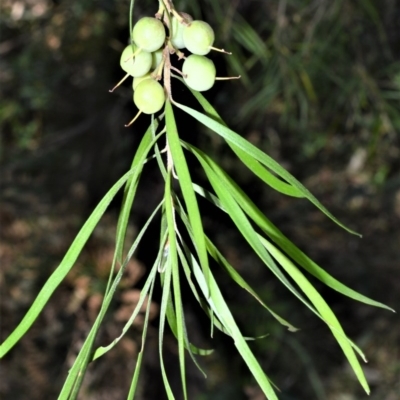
[323, 308]
[135, 379]
[129, 194]
[185, 182]
[192, 349]
[157, 152]
[260, 156]
[242, 223]
[180, 324]
[191, 260]
[216, 254]
[62, 270]
[254, 166]
[131, 186]
[327, 316]
[277, 236]
[221, 310]
[166, 282]
[102, 350]
[76, 375]
[173, 256]
[172, 319]
[280, 239]
[265, 175]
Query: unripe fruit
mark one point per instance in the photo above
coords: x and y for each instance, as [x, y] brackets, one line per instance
[156, 58]
[149, 96]
[199, 72]
[139, 79]
[149, 34]
[177, 30]
[138, 65]
[198, 37]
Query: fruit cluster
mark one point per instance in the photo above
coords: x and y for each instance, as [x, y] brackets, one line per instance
[147, 58]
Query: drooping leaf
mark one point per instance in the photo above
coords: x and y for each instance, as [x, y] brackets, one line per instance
[243, 224]
[62, 270]
[279, 238]
[258, 155]
[135, 379]
[325, 311]
[185, 181]
[143, 293]
[166, 278]
[221, 310]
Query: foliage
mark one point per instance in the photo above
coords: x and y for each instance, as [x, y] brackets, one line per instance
[187, 254]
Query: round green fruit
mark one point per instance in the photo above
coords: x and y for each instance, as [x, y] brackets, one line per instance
[199, 72]
[139, 79]
[149, 34]
[156, 58]
[149, 96]
[138, 65]
[198, 37]
[177, 30]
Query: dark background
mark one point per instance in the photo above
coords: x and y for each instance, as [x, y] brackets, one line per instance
[320, 92]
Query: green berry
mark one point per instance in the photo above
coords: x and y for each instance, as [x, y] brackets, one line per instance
[149, 96]
[138, 65]
[138, 79]
[177, 31]
[149, 34]
[156, 58]
[198, 37]
[199, 72]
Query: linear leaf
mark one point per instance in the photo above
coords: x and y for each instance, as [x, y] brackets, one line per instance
[76, 375]
[62, 270]
[192, 349]
[260, 156]
[146, 287]
[166, 278]
[281, 240]
[221, 309]
[216, 254]
[192, 260]
[139, 360]
[325, 311]
[242, 223]
[173, 256]
[185, 182]
[130, 188]
[254, 166]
